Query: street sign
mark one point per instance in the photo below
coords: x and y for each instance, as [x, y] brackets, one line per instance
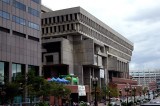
[101, 73]
[81, 90]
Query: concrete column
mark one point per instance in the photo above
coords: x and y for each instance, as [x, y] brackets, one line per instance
[90, 84]
[82, 77]
[10, 72]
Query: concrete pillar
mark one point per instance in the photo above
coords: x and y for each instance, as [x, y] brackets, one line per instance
[10, 72]
[82, 77]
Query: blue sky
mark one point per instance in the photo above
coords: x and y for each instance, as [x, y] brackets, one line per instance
[137, 20]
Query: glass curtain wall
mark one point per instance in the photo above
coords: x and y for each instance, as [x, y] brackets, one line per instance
[1, 71]
[16, 70]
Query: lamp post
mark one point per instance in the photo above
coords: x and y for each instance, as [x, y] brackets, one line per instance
[127, 90]
[120, 94]
[95, 85]
[148, 95]
[134, 90]
[153, 95]
[109, 97]
[140, 95]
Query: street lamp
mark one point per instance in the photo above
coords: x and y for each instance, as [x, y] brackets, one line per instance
[109, 97]
[134, 90]
[95, 85]
[120, 94]
[127, 90]
[148, 95]
[153, 95]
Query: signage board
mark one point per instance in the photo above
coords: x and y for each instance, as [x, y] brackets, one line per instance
[101, 73]
[81, 90]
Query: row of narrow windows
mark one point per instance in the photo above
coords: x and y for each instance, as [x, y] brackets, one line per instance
[21, 6]
[100, 37]
[15, 33]
[57, 19]
[59, 28]
[101, 29]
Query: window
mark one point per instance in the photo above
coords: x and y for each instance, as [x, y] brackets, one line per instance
[33, 38]
[1, 71]
[7, 1]
[19, 34]
[34, 26]
[19, 5]
[4, 15]
[16, 70]
[95, 59]
[4, 30]
[33, 12]
[33, 68]
[36, 1]
[19, 20]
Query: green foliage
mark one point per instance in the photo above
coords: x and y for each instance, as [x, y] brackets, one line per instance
[124, 104]
[109, 104]
[100, 93]
[113, 91]
[59, 90]
[11, 91]
[41, 103]
[138, 100]
[83, 104]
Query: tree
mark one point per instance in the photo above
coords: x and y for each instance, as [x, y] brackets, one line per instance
[99, 91]
[113, 90]
[33, 85]
[11, 90]
[59, 91]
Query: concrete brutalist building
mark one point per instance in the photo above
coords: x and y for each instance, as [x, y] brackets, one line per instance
[20, 37]
[76, 42]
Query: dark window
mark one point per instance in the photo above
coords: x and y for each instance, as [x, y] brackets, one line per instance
[33, 12]
[19, 20]
[35, 69]
[36, 1]
[75, 16]
[49, 58]
[4, 30]
[57, 18]
[59, 29]
[46, 29]
[19, 34]
[33, 38]
[46, 21]
[4, 15]
[63, 28]
[19, 5]
[7, 1]
[54, 20]
[42, 30]
[41, 21]
[62, 18]
[51, 29]
[72, 26]
[49, 20]
[67, 26]
[54, 28]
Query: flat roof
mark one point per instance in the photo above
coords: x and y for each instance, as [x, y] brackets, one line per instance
[87, 14]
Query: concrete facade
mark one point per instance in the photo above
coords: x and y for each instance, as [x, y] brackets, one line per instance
[20, 37]
[74, 41]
